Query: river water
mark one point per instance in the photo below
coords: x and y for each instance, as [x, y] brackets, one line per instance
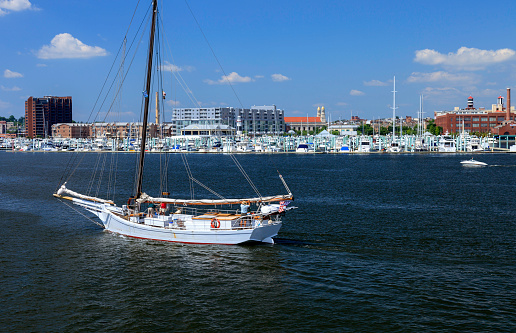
[397, 243]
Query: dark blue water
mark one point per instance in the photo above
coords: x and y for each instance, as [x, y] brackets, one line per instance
[404, 243]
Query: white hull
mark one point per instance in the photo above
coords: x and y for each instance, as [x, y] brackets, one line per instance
[193, 231]
[473, 163]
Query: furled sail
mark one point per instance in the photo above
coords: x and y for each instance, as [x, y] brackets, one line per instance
[63, 190]
[146, 198]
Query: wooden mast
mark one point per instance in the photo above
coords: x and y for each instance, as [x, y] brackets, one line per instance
[146, 94]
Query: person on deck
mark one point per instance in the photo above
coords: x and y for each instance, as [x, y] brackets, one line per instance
[244, 207]
[163, 208]
[150, 210]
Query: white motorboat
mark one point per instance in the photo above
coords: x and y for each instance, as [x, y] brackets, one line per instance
[473, 163]
[447, 144]
[194, 220]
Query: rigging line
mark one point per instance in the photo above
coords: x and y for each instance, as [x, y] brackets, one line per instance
[214, 55]
[189, 173]
[81, 213]
[101, 175]
[280, 176]
[177, 75]
[209, 189]
[246, 176]
[71, 162]
[76, 166]
[125, 76]
[114, 61]
[93, 175]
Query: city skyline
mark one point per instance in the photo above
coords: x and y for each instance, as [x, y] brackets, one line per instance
[298, 55]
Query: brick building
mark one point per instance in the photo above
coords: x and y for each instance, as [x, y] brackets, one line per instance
[475, 120]
[42, 113]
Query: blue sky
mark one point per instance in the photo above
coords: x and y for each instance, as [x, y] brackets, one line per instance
[297, 55]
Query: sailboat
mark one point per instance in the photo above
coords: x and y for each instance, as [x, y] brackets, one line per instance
[194, 220]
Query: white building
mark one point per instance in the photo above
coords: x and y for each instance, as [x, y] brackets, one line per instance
[257, 120]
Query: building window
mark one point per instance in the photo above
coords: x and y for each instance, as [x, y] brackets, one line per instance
[483, 125]
[492, 118]
[475, 125]
[501, 118]
[483, 118]
[475, 118]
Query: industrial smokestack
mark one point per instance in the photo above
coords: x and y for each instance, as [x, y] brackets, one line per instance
[508, 112]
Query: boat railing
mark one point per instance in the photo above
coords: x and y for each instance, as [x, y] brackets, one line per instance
[200, 211]
[244, 222]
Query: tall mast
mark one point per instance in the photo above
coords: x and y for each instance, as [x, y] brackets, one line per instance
[147, 94]
[394, 110]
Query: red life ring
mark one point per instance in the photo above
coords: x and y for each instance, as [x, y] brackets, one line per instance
[215, 223]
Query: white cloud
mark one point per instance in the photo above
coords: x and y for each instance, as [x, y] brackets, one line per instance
[15, 88]
[12, 75]
[465, 58]
[440, 76]
[443, 96]
[7, 6]
[173, 103]
[354, 92]
[65, 46]
[375, 83]
[279, 78]
[233, 77]
[168, 67]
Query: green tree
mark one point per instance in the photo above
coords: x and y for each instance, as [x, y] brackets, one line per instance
[433, 128]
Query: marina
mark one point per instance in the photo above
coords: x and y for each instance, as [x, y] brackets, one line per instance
[270, 144]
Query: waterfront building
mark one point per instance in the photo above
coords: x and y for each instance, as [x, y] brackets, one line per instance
[208, 130]
[42, 113]
[471, 119]
[257, 120]
[120, 130]
[344, 129]
[306, 123]
[71, 130]
[260, 120]
[183, 117]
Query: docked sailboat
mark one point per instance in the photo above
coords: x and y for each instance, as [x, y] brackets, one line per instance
[193, 220]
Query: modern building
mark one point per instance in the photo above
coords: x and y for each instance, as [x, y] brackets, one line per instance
[42, 113]
[182, 117]
[208, 130]
[472, 120]
[260, 120]
[257, 120]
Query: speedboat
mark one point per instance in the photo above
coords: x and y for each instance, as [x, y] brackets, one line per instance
[473, 163]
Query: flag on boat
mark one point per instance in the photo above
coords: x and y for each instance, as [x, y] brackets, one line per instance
[145, 94]
[282, 206]
[164, 94]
